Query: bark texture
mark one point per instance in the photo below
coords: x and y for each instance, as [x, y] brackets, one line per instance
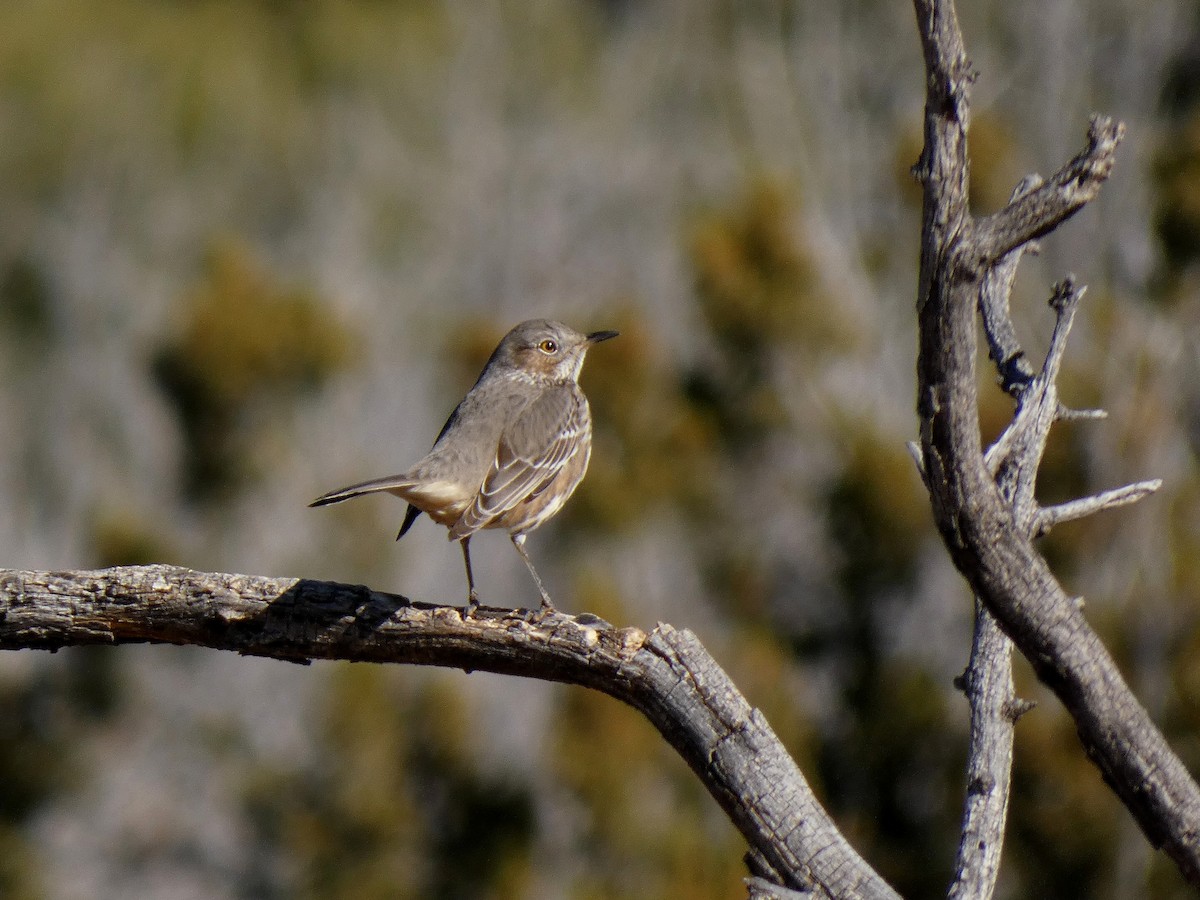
[665, 673]
[984, 537]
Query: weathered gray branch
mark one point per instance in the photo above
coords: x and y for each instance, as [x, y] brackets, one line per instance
[980, 529]
[1013, 461]
[762, 889]
[1003, 346]
[1041, 210]
[666, 674]
[1049, 516]
[988, 685]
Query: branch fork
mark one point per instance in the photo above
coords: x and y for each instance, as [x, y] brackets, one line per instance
[983, 501]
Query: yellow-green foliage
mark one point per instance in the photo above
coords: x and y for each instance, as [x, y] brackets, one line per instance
[18, 866]
[877, 512]
[25, 305]
[246, 333]
[667, 430]
[1183, 522]
[42, 722]
[120, 538]
[357, 833]
[753, 279]
[396, 807]
[1185, 675]
[1178, 181]
[995, 164]
[251, 82]
[33, 764]
[1063, 855]
[651, 829]
[894, 779]
[244, 339]
[653, 448]
[758, 292]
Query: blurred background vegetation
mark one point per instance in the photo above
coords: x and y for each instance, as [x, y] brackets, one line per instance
[254, 249]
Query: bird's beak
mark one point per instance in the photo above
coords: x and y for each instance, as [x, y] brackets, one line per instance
[597, 336]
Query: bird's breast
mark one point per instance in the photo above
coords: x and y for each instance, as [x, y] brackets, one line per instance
[545, 503]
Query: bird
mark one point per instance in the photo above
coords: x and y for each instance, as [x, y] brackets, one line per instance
[510, 454]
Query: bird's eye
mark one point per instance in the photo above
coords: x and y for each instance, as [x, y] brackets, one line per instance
[548, 346]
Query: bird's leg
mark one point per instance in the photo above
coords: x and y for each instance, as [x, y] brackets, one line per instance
[472, 597]
[547, 607]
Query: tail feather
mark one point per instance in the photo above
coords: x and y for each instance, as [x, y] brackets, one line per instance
[410, 516]
[374, 486]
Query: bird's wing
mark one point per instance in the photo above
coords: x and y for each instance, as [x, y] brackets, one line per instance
[532, 450]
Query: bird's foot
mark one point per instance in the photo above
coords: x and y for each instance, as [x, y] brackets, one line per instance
[472, 605]
[537, 616]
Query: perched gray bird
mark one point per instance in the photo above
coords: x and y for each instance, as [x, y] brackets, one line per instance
[512, 451]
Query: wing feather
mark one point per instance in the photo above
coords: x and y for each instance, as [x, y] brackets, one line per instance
[532, 451]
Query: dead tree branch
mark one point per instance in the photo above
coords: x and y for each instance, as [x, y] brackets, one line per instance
[988, 685]
[979, 525]
[666, 674]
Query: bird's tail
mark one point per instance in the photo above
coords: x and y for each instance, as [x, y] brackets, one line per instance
[374, 486]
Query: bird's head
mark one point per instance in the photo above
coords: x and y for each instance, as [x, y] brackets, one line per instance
[544, 350]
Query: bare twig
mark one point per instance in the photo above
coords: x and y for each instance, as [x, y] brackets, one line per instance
[1066, 414]
[1049, 516]
[1003, 346]
[1016, 455]
[1014, 461]
[1066, 192]
[988, 686]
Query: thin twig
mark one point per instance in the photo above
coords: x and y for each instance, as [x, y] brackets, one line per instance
[1003, 346]
[1049, 516]
[988, 686]
[1066, 192]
